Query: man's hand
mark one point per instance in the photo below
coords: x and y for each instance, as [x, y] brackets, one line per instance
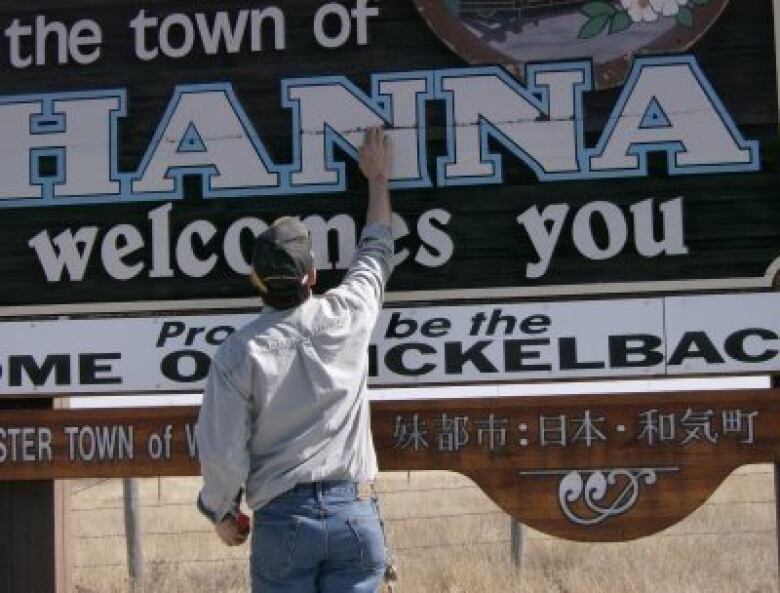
[376, 156]
[233, 530]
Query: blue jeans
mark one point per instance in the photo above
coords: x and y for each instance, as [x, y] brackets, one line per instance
[318, 538]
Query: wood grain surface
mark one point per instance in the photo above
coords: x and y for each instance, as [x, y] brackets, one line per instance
[585, 467]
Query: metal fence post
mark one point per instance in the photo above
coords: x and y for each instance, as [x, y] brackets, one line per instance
[517, 542]
[776, 383]
[135, 553]
[777, 520]
[775, 380]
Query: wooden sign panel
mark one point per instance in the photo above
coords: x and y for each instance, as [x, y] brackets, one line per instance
[592, 468]
[614, 149]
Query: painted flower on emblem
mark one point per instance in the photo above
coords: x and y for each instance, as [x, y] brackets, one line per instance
[619, 15]
[667, 7]
[642, 10]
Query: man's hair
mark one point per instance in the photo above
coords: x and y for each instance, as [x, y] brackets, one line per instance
[284, 296]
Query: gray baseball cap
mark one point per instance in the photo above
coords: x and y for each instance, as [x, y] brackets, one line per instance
[282, 255]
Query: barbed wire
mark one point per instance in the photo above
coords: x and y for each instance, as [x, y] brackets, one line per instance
[97, 482]
[401, 550]
[408, 550]
[533, 118]
[492, 542]
[162, 562]
[447, 516]
[527, 538]
[422, 517]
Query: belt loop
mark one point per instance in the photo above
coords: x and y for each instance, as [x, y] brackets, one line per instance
[365, 491]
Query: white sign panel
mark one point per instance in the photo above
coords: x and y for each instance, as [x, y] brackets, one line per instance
[746, 333]
[673, 336]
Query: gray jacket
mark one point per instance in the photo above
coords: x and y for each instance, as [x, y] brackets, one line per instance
[286, 398]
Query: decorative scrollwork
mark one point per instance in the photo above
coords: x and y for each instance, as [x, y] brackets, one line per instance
[589, 497]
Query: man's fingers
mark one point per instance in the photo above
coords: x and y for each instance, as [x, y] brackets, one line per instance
[231, 533]
[374, 137]
[375, 154]
[234, 540]
[366, 140]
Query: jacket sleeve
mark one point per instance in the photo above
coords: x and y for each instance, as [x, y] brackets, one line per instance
[223, 432]
[364, 284]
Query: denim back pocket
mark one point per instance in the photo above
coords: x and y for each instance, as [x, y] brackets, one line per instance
[273, 546]
[370, 541]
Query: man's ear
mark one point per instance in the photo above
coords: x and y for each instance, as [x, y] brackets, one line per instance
[310, 278]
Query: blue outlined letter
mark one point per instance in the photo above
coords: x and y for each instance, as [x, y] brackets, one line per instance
[667, 105]
[232, 160]
[540, 123]
[332, 111]
[59, 147]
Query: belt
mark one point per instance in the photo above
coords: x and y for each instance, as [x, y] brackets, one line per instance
[362, 490]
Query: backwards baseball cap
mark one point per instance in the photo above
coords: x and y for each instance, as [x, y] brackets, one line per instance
[281, 257]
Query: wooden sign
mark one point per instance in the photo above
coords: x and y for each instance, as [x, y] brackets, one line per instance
[618, 149]
[588, 467]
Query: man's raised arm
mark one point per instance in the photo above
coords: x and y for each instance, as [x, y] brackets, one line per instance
[375, 160]
[363, 286]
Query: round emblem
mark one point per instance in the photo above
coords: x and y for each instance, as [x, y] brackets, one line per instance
[609, 32]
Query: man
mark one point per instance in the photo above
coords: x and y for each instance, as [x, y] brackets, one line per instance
[285, 412]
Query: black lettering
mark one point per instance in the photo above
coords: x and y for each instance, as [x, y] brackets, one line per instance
[396, 329]
[170, 366]
[436, 328]
[515, 353]
[695, 345]
[476, 323]
[567, 348]
[373, 361]
[496, 317]
[455, 357]
[170, 329]
[215, 339]
[89, 368]
[192, 334]
[394, 359]
[624, 350]
[735, 345]
[38, 375]
[535, 324]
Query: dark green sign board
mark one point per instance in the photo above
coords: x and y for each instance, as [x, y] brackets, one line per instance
[569, 148]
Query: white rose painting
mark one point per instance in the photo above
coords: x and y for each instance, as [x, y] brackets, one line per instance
[607, 32]
[616, 17]
[639, 10]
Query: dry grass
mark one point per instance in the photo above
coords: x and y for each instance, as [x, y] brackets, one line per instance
[448, 537]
